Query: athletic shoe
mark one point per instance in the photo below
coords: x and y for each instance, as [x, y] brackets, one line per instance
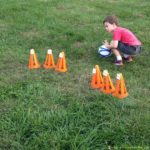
[128, 59]
[118, 63]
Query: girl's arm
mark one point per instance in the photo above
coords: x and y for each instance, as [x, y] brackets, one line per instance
[111, 45]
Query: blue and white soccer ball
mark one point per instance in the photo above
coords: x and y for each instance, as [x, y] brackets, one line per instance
[103, 51]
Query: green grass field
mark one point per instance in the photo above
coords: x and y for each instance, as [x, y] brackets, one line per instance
[42, 109]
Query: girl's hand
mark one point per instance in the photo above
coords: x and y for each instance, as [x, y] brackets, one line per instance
[106, 43]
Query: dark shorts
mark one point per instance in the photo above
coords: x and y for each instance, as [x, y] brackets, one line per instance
[127, 49]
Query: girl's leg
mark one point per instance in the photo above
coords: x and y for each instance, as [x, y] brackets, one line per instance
[117, 54]
[118, 61]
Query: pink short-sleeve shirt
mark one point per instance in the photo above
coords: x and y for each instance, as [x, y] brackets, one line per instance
[125, 36]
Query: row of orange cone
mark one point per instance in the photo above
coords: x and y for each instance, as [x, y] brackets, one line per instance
[105, 84]
[99, 81]
[49, 63]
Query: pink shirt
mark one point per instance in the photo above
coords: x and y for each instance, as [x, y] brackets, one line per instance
[125, 36]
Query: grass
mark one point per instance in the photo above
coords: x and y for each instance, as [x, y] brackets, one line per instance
[43, 109]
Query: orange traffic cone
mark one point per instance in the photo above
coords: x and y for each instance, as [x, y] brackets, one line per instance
[121, 91]
[49, 61]
[33, 62]
[61, 63]
[108, 85]
[97, 80]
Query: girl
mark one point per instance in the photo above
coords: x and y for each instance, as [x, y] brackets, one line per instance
[123, 41]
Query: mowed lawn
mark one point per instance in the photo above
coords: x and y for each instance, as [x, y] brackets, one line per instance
[42, 109]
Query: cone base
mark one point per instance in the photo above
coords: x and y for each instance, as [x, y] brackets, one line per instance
[61, 70]
[120, 96]
[34, 67]
[49, 67]
[107, 92]
[96, 86]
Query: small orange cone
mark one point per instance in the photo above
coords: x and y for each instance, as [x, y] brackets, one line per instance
[108, 85]
[33, 62]
[49, 61]
[61, 63]
[121, 91]
[97, 80]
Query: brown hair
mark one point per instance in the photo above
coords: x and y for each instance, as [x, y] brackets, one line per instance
[111, 19]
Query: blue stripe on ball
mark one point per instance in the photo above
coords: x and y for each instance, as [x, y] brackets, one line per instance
[104, 50]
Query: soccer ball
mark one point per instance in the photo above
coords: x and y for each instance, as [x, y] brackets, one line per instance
[104, 51]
